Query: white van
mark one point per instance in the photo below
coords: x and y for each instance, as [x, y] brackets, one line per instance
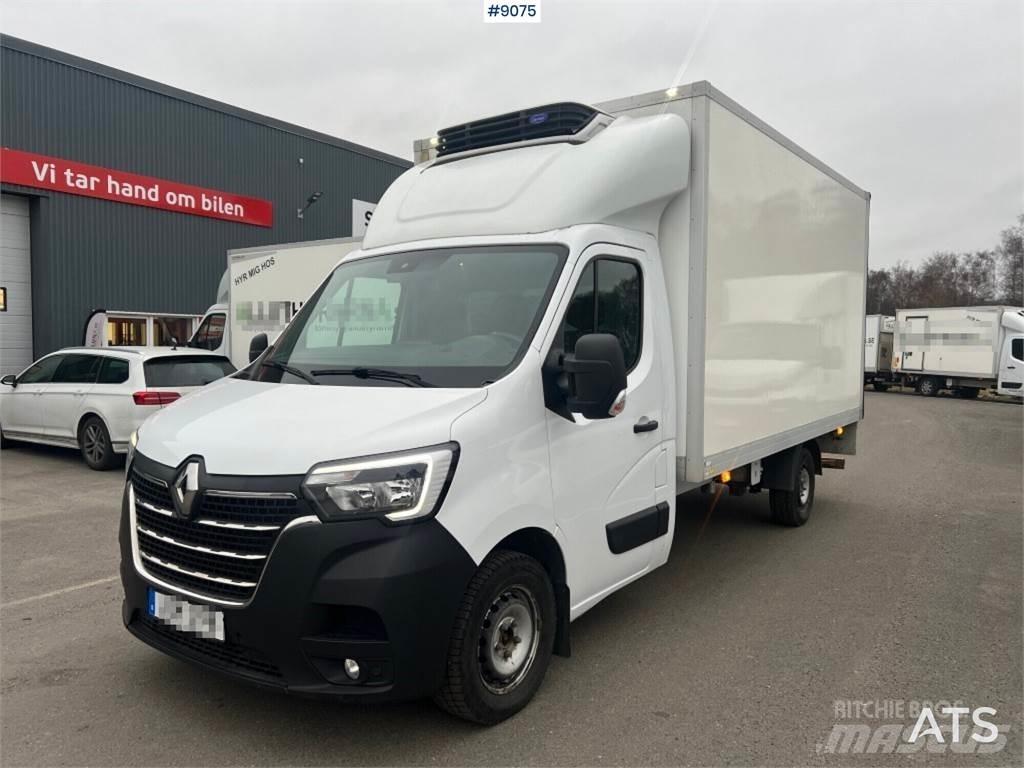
[262, 289]
[476, 428]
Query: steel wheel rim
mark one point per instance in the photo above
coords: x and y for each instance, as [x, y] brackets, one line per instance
[804, 486]
[509, 639]
[94, 448]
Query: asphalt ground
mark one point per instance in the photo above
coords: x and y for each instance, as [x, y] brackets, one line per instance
[746, 649]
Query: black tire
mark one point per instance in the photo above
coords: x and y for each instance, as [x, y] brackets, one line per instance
[967, 393]
[94, 444]
[4, 442]
[793, 508]
[880, 387]
[928, 386]
[508, 588]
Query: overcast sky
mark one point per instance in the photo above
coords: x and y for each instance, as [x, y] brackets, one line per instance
[918, 102]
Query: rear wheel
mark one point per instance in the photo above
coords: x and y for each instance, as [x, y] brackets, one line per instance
[793, 507]
[928, 386]
[94, 443]
[502, 640]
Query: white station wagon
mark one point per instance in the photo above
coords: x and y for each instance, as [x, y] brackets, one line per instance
[94, 399]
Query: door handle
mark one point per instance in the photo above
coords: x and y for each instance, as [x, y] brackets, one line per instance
[1011, 368]
[645, 425]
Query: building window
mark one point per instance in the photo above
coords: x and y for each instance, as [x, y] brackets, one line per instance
[126, 332]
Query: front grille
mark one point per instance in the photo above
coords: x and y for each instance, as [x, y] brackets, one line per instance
[565, 119]
[222, 550]
[226, 655]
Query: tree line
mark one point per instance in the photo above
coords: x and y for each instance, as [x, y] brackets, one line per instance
[948, 279]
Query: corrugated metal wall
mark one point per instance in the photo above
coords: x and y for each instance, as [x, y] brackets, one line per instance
[89, 253]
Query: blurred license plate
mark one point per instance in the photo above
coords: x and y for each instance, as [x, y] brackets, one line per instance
[199, 620]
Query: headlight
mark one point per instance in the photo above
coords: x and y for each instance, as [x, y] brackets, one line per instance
[398, 486]
[132, 442]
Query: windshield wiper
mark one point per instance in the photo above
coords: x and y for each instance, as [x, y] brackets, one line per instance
[409, 379]
[292, 370]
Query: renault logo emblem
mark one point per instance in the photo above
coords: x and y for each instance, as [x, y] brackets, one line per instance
[185, 489]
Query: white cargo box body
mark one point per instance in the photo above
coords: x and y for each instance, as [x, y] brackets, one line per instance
[878, 343]
[765, 255]
[764, 250]
[268, 285]
[950, 341]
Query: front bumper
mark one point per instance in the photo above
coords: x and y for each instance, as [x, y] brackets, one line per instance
[385, 596]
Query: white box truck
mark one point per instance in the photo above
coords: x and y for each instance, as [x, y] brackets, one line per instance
[961, 349]
[262, 289]
[878, 341]
[476, 429]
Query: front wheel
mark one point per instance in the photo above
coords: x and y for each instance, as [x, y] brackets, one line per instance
[502, 640]
[793, 507]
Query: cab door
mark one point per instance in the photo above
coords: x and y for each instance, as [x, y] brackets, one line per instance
[1011, 366]
[603, 472]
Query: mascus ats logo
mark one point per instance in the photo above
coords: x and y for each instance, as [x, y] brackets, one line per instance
[904, 727]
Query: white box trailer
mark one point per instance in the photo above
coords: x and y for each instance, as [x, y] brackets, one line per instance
[262, 289]
[557, 310]
[962, 349]
[878, 346]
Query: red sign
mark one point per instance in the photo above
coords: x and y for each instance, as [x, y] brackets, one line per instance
[42, 172]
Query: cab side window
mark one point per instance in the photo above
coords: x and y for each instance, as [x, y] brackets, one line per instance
[42, 371]
[210, 333]
[77, 369]
[607, 299]
[1017, 349]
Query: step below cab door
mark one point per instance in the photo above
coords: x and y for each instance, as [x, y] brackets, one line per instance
[604, 472]
[1011, 366]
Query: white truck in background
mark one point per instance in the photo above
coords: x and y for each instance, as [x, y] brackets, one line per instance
[476, 428]
[878, 341]
[961, 349]
[260, 291]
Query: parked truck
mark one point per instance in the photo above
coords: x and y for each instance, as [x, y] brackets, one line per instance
[961, 349]
[878, 341]
[476, 428]
[262, 289]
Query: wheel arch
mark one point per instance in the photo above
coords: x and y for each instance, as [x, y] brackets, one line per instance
[86, 414]
[543, 547]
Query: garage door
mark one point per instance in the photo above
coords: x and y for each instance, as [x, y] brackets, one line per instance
[16, 278]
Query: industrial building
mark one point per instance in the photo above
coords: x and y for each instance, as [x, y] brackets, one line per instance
[123, 193]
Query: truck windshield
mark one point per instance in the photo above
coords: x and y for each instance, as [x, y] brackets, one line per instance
[454, 317]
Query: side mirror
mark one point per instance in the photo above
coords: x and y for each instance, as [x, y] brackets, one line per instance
[10, 380]
[596, 376]
[257, 346]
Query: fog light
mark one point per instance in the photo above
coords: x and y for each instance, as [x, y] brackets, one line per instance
[726, 476]
[839, 431]
[352, 669]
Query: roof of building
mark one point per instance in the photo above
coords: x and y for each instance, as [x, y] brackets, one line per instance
[67, 59]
